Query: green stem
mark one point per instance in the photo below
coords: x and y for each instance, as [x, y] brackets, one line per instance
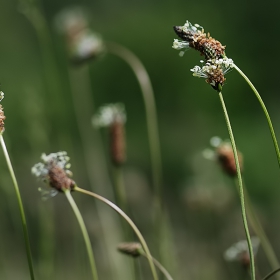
[23, 219]
[151, 113]
[241, 192]
[265, 112]
[159, 266]
[85, 233]
[119, 187]
[130, 222]
[271, 274]
[257, 227]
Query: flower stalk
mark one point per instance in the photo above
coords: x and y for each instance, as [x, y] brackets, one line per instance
[84, 232]
[264, 110]
[241, 191]
[15, 183]
[129, 221]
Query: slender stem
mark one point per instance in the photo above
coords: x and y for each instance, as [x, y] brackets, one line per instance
[130, 222]
[119, 187]
[159, 266]
[153, 132]
[85, 233]
[257, 227]
[241, 192]
[271, 274]
[21, 209]
[151, 113]
[265, 112]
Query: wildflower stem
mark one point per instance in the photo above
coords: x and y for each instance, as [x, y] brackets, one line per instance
[158, 265]
[151, 113]
[85, 233]
[130, 222]
[21, 209]
[257, 227]
[265, 112]
[241, 192]
[271, 274]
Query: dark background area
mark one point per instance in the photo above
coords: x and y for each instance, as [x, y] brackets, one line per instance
[40, 119]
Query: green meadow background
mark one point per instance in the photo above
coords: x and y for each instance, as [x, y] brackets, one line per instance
[201, 202]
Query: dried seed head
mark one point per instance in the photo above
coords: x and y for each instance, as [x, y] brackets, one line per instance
[54, 170]
[196, 38]
[239, 252]
[2, 115]
[131, 248]
[226, 159]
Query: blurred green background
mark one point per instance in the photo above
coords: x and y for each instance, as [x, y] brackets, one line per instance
[202, 204]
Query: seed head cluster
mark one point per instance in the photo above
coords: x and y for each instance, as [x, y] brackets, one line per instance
[215, 63]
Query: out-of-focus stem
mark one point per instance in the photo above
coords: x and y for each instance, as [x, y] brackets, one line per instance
[151, 113]
[130, 222]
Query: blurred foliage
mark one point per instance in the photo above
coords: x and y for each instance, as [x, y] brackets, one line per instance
[41, 119]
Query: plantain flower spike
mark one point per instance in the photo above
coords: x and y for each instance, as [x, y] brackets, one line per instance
[215, 64]
[2, 115]
[54, 171]
[113, 116]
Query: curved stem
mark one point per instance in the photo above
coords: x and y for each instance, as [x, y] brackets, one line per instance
[271, 274]
[151, 113]
[241, 192]
[23, 219]
[159, 266]
[130, 222]
[84, 232]
[265, 112]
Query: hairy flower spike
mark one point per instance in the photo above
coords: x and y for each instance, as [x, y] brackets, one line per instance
[213, 71]
[54, 170]
[2, 115]
[114, 117]
[196, 38]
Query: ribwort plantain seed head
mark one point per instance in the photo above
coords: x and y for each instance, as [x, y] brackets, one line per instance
[54, 171]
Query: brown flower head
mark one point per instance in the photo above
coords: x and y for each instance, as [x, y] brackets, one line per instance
[226, 159]
[195, 38]
[114, 117]
[54, 170]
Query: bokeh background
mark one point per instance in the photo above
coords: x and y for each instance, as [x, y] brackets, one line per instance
[202, 203]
